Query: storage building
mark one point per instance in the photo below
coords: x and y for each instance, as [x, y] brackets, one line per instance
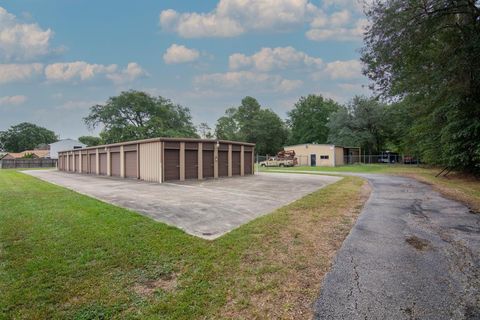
[312, 154]
[162, 159]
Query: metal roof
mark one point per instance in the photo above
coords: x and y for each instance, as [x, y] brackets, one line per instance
[162, 139]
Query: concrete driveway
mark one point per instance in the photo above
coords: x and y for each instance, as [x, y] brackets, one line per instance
[206, 209]
[413, 254]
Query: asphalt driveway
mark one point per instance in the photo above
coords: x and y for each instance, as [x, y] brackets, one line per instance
[206, 209]
[413, 254]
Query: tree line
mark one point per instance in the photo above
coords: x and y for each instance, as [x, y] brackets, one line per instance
[135, 115]
[422, 58]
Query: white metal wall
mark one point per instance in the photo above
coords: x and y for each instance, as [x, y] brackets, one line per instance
[151, 161]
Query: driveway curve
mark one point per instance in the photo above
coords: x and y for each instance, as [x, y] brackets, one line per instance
[413, 254]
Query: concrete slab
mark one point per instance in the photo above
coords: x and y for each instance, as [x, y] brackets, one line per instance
[207, 209]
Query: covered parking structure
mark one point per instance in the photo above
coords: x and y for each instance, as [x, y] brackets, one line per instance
[162, 159]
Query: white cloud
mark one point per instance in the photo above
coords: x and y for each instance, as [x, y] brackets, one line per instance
[81, 70]
[235, 17]
[232, 18]
[70, 71]
[22, 41]
[268, 59]
[19, 72]
[247, 80]
[12, 100]
[180, 54]
[132, 72]
[65, 71]
[348, 69]
[322, 30]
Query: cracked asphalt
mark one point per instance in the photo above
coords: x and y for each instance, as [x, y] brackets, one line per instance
[413, 254]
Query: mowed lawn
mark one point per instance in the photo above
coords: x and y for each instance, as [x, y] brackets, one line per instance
[459, 186]
[65, 255]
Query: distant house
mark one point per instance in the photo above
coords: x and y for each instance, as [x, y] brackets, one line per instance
[37, 154]
[62, 145]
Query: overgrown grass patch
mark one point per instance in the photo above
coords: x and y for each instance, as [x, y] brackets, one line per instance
[65, 255]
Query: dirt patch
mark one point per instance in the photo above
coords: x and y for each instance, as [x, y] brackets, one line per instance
[418, 243]
[166, 284]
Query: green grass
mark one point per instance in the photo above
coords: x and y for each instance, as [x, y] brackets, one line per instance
[65, 255]
[456, 185]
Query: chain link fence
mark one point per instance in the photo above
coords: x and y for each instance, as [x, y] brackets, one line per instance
[386, 158]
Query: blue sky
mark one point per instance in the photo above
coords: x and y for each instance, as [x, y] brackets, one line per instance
[57, 58]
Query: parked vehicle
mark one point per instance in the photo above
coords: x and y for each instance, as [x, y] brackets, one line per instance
[285, 158]
[410, 160]
[388, 157]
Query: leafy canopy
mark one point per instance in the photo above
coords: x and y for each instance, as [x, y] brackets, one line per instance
[250, 123]
[309, 118]
[25, 136]
[425, 53]
[361, 123]
[90, 141]
[137, 115]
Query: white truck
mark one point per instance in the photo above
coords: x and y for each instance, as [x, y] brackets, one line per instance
[282, 159]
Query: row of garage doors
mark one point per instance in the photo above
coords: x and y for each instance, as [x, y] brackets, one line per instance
[89, 163]
[172, 168]
[192, 161]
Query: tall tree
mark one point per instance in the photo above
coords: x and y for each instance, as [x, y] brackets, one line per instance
[204, 131]
[362, 123]
[227, 127]
[308, 119]
[137, 115]
[250, 123]
[90, 141]
[25, 136]
[426, 53]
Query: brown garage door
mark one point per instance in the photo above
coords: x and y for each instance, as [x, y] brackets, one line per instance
[102, 157]
[208, 163]
[115, 163]
[77, 163]
[247, 162]
[84, 163]
[131, 164]
[235, 163]
[222, 163]
[93, 163]
[191, 164]
[172, 164]
[71, 163]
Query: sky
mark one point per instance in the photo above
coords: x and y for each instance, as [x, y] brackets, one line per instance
[60, 57]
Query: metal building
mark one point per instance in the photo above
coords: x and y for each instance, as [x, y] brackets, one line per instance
[312, 154]
[162, 159]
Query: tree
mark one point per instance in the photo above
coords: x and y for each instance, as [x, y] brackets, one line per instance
[25, 136]
[270, 132]
[425, 54]
[308, 119]
[227, 127]
[90, 141]
[204, 131]
[135, 115]
[362, 123]
[250, 123]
